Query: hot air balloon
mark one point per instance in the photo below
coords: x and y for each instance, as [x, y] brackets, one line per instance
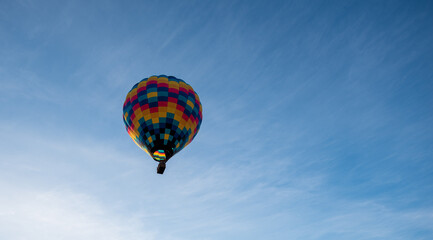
[162, 114]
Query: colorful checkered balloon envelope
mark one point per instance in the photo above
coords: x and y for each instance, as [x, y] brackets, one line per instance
[162, 115]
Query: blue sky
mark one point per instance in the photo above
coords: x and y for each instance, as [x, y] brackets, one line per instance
[317, 120]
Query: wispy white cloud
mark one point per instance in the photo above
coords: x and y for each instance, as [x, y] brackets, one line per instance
[41, 214]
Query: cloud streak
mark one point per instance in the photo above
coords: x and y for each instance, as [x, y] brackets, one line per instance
[38, 214]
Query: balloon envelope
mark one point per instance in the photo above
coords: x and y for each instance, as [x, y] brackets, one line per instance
[162, 115]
